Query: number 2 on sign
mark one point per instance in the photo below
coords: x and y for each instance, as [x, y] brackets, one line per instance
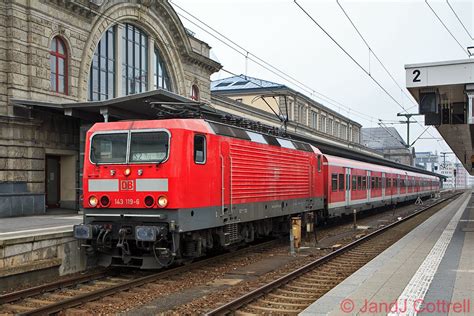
[417, 73]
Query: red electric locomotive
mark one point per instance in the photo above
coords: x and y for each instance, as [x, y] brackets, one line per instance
[159, 191]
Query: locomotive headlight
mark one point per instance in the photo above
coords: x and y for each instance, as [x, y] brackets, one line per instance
[162, 201]
[127, 172]
[146, 233]
[93, 201]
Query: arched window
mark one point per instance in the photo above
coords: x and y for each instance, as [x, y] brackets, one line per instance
[102, 74]
[195, 92]
[58, 61]
[162, 79]
[135, 60]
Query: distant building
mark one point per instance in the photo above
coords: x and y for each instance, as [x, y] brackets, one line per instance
[305, 115]
[461, 176]
[389, 142]
[447, 169]
[427, 160]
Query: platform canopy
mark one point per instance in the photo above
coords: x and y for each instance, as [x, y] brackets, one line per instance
[445, 93]
[158, 104]
[140, 106]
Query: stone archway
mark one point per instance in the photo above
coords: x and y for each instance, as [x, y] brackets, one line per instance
[158, 23]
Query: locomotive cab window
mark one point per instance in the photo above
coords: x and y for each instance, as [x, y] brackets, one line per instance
[109, 148]
[199, 149]
[149, 147]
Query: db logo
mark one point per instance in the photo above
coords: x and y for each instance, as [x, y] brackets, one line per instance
[127, 185]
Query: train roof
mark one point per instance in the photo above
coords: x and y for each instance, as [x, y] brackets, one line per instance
[197, 125]
[207, 125]
[344, 162]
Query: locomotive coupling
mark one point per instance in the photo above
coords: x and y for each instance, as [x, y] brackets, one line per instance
[85, 231]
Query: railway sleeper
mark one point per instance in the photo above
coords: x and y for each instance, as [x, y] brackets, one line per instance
[310, 284]
[38, 301]
[18, 308]
[284, 304]
[320, 279]
[56, 296]
[105, 283]
[299, 293]
[294, 298]
[308, 289]
[274, 310]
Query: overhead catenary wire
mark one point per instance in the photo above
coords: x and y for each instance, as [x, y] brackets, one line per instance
[447, 29]
[459, 19]
[266, 65]
[282, 75]
[371, 51]
[354, 60]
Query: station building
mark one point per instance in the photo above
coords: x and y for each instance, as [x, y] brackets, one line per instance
[389, 143]
[67, 64]
[279, 102]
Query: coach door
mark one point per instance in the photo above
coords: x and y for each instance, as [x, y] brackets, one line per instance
[369, 184]
[384, 186]
[398, 185]
[348, 186]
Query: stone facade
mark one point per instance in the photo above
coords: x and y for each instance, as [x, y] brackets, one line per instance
[302, 112]
[388, 141]
[26, 30]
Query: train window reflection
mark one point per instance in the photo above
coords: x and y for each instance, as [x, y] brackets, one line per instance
[109, 148]
[149, 147]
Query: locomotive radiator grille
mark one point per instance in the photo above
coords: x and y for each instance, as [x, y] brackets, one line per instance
[267, 173]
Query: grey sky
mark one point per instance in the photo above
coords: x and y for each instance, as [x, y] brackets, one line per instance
[399, 32]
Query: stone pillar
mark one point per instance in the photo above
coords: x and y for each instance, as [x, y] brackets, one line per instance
[118, 60]
[151, 63]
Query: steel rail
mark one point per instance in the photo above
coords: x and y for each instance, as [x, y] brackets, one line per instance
[52, 286]
[95, 295]
[269, 287]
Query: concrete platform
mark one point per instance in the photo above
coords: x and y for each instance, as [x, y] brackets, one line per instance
[32, 225]
[42, 244]
[429, 271]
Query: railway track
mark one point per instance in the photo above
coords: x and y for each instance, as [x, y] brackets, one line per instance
[293, 292]
[69, 293]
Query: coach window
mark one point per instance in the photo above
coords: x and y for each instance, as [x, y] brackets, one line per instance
[364, 182]
[341, 182]
[199, 149]
[334, 182]
[359, 183]
[319, 163]
[354, 183]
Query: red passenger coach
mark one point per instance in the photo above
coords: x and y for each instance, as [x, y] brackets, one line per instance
[358, 185]
[165, 190]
